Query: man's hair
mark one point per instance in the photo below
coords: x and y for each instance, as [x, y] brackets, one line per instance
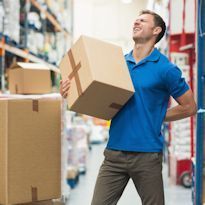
[158, 21]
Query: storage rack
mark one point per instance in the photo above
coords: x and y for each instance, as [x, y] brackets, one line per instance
[182, 43]
[8, 47]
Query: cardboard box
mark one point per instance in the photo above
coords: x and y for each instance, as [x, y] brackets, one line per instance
[29, 78]
[100, 80]
[30, 149]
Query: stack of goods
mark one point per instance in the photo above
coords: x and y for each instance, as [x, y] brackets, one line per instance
[180, 146]
[62, 44]
[2, 13]
[50, 47]
[181, 129]
[30, 137]
[62, 10]
[35, 42]
[65, 120]
[77, 150]
[30, 146]
[11, 19]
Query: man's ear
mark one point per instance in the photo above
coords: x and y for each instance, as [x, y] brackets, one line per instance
[157, 30]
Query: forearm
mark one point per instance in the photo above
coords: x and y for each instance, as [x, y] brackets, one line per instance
[179, 112]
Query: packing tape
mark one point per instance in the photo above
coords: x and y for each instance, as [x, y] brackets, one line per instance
[35, 105]
[74, 73]
[116, 106]
[34, 194]
[16, 88]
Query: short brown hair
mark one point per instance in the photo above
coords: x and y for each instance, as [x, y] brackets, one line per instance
[158, 21]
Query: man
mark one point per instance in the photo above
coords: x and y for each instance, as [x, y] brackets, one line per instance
[134, 149]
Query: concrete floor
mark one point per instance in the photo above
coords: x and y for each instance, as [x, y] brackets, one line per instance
[82, 194]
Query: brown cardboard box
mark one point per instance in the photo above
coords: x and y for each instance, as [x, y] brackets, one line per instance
[30, 149]
[100, 80]
[29, 78]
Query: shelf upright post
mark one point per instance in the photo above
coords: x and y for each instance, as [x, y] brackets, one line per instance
[201, 103]
[26, 27]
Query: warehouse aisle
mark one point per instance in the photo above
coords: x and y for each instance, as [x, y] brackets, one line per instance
[82, 194]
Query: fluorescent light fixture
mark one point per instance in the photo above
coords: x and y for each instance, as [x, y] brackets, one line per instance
[150, 5]
[126, 1]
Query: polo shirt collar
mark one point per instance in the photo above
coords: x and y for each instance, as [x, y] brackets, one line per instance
[154, 56]
[129, 57]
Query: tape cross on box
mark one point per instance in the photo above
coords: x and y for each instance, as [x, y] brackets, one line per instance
[74, 73]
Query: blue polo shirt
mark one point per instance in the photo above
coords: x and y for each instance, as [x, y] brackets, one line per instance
[137, 126]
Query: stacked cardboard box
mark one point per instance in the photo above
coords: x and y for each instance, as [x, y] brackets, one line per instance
[29, 78]
[30, 148]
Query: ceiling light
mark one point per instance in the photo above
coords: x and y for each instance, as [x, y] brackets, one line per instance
[126, 1]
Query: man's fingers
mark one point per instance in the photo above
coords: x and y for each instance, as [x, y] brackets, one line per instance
[65, 84]
[66, 88]
[65, 95]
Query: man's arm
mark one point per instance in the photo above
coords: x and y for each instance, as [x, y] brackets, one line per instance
[186, 108]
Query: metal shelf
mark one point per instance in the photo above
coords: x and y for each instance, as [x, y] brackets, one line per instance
[24, 54]
[50, 17]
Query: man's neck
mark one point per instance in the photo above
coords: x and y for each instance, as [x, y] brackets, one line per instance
[141, 51]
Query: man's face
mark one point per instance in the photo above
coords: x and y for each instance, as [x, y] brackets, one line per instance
[143, 28]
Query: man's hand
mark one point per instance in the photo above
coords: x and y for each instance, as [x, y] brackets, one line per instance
[64, 87]
[186, 108]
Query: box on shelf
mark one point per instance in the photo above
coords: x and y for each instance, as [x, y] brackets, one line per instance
[100, 80]
[30, 148]
[11, 19]
[29, 78]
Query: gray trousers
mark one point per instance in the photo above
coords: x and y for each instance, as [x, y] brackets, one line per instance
[145, 170]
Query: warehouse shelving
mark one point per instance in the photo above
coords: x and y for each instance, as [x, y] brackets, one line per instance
[182, 53]
[26, 55]
[22, 50]
[12, 50]
[50, 17]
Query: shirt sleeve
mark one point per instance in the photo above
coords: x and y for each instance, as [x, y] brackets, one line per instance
[175, 83]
